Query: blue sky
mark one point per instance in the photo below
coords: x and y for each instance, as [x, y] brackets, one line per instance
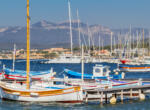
[110, 13]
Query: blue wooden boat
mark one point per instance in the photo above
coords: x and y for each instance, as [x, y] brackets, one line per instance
[99, 72]
[20, 74]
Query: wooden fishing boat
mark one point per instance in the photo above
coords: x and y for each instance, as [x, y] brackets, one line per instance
[99, 72]
[28, 92]
[103, 84]
[20, 74]
[134, 68]
[23, 77]
[40, 94]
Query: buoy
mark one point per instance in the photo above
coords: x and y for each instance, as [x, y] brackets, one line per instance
[116, 73]
[142, 97]
[113, 100]
[122, 75]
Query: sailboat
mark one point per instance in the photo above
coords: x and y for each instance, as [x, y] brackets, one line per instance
[68, 58]
[135, 65]
[21, 75]
[34, 93]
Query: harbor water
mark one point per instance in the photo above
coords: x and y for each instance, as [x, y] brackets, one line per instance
[58, 68]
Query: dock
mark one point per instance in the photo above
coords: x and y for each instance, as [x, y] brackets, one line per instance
[110, 94]
[106, 94]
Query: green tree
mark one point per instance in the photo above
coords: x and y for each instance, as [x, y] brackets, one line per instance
[50, 55]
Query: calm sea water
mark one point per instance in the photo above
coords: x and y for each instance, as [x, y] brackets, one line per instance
[36, 66]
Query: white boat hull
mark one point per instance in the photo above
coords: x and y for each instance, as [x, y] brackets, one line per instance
[135, 70]
[20, 77]
[69, 94]
[66, 97]
[61, 62]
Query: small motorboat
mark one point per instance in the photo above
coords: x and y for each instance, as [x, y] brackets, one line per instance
[99, 72]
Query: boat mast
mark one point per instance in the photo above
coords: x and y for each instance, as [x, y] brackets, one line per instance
[111, 43]
[82, 64]
[137, 43]
[79, 29]
[14, 56]
[102, 44]
[69, 8]
[130, 41]
[99, 43]
[84, 41]
[120, 46]
[28, 48]
[149, 44]
[143, 43]
[99, 47]
[89, 40]
[114, 45]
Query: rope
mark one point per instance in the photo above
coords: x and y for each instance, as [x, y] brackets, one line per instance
[61, 72]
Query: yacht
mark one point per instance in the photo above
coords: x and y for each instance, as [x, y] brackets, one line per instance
[64, 59]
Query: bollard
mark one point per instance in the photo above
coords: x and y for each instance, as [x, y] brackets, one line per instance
[121, 95]
[131, 96]
[86, 97]
[101, 101]
[106, 98]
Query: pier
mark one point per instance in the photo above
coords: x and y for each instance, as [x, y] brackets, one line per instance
[109, 94]
[112, 94]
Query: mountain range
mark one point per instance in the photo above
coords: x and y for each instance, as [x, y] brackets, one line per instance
[45, 34]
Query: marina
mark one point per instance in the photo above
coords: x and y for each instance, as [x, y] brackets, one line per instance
[94, 94]
[71, 64]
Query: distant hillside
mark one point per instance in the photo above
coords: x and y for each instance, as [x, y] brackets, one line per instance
[46, 34]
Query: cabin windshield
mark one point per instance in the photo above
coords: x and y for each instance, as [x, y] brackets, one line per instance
[97, 70]
[104, 70]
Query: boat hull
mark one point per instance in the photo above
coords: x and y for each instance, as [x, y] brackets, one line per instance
[21, 77]
[134, 69]
[72, 74]
[73, 94]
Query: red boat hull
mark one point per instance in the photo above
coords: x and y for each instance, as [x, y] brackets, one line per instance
[18, 77]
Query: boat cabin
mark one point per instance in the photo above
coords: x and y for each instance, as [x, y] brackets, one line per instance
[100, 70]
